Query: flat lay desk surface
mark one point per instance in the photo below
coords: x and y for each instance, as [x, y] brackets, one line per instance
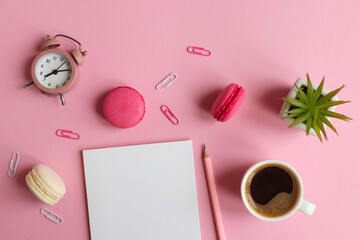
[262, 45]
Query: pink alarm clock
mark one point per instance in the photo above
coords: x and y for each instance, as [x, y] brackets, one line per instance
[54, 70]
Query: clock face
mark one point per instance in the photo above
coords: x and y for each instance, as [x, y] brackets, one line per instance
[53, 70]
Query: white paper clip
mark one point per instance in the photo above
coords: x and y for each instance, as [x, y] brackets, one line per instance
[12, 166]
[166, 82]
[45, 212]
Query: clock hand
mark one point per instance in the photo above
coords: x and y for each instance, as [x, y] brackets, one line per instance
[61, 65]
[55, 71]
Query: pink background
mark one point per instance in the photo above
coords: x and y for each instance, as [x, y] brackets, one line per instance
[262, 45]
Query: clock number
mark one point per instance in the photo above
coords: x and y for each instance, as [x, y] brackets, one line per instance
[57, 85]
[54, 57]
[48, 60]
[68, 78]
[41, 73]
[62, 59]
[49, 84]
[42, 65]
[63, 84]
[67, 64]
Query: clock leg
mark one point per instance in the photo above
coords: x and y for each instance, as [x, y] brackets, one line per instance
[29, 84]
[62, 99]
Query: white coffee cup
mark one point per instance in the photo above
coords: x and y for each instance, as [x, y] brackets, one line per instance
[300, 203]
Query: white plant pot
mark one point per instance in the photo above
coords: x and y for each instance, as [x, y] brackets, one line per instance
[292, 94]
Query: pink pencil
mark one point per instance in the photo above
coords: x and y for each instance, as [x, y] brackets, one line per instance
[213, 195]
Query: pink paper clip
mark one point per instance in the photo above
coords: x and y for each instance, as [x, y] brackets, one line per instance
[70, 134]
[202, 51]
[169, 114]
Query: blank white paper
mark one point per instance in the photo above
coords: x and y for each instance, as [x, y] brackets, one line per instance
[142, 192]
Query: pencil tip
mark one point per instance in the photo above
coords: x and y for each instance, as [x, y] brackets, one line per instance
[205, 152]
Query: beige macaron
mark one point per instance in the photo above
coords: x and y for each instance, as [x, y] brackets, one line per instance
[46, 184]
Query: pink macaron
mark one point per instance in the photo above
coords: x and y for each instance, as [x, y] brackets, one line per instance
[124, 107]
[228, 102]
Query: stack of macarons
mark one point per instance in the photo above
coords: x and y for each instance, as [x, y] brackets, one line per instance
[228, 102]
[46, 184]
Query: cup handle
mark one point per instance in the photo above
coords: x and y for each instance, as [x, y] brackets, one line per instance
[307, 207]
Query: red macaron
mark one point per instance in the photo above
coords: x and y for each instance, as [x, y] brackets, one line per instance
[228, 102]
[124, 107]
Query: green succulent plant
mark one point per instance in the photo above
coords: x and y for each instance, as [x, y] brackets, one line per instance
[311, 108]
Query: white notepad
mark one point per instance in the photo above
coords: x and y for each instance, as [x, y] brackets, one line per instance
[142, 192]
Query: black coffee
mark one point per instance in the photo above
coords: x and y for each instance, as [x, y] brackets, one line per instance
[271, 190]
